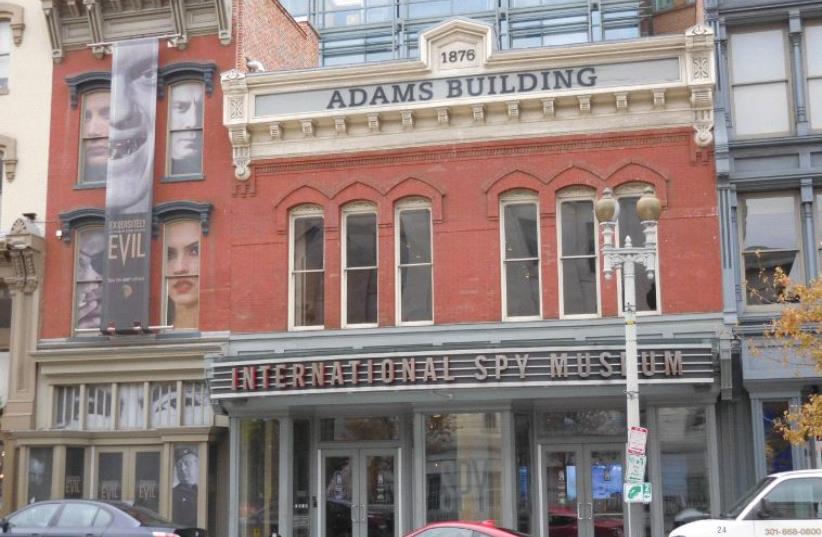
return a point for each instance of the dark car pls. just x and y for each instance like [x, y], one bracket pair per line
[88, 518]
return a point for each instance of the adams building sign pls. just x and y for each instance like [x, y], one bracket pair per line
[242, 376]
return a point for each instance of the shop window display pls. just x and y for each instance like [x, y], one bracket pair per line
[185, 484]
[463, 467]
[75, 473]
[40, 468]
[684, 450]
[259, 477]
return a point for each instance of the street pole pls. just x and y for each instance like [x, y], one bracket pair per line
[626, 259]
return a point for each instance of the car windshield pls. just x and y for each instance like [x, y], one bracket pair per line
[146, 517]
[743, 502]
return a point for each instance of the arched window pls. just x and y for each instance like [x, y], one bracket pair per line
[306, 266]
[577, 249]
[360, 265]
[520, 256]
[414, 259]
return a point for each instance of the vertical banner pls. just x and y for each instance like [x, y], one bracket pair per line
[128, 189]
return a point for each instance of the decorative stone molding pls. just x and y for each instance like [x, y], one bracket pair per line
[70, 221]
[86, 82]
[94, 16]
[165, 212]
[186, 71]
[307, 127]
[52, 14]
[431, 98]
[241, 152]
[178, 15]
[702, 103]
[14, 14]
[8, 155]
[24, 244]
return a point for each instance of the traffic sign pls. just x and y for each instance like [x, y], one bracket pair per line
[636, 468]
[637, 438]
[637, 493]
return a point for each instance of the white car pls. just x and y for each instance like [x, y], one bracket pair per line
[783, 504]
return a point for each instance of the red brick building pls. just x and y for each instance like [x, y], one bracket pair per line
[419, 321]
[127, 417]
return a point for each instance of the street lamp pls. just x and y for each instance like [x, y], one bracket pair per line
[626, 257]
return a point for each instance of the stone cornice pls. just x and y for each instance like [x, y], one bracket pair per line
[639, 97]
[153, 350]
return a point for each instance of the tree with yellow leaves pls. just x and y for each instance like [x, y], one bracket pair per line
[798, 329]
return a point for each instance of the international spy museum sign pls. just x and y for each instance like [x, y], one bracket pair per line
[243, 376]
[485, 85]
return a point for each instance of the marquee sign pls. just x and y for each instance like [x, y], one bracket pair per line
[502, 84]
[265, 375]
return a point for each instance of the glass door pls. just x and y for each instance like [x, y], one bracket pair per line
[604, 468]
[563, 507]
[360, 492]
[340, 513]
[582, 487]
[378, 495]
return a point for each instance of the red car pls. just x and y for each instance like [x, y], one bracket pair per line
[458, 528]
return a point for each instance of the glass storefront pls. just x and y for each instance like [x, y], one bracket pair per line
[259, 477]
[463, 465]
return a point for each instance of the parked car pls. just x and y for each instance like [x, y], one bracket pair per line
[487, 528]
[89, 518]
[786, 503]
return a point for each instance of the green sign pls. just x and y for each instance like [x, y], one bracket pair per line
[638, 492]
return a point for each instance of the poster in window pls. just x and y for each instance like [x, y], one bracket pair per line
[75, 471]
[130, 175]
[110, 482]
[182, 273]
[186, 480]
[147, 480]
[91, 244]
[186, 122]
[40, 465]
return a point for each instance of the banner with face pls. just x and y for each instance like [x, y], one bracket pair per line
[130, 175]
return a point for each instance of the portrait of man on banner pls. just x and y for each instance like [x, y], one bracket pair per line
[130, 176]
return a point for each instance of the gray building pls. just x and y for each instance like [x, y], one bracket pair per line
[769, 170]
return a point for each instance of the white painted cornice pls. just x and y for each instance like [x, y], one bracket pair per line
[649, 83]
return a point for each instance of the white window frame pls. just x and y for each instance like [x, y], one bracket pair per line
[302, 211]
[355, 209]
[7, 22]
[113, 406]
[787, 79]
[635, 190]
[416, 204]
[569, 195]
[55, 392]
[144, 386]
[170, 131]
[517, 197]
[800, 258]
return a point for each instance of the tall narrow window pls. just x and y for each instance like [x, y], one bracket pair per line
[164, 404]
[5, 54]
[94, 137]
[520, 257]
[182, 274]
[813, 52]
[88, 277]
[66, 407]
[630, 226]
[307, 268]
[759, 81]
[185, 129]
[196, 410]
[414, 268]
[99, 406]
[770, 240]
[360, 261]
[578, 257]
[132, 405]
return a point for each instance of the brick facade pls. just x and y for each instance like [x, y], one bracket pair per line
[266, 32]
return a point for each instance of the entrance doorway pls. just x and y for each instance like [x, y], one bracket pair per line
[359, 491]
[581, 488]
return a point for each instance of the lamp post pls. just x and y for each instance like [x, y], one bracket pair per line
[648, 208]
